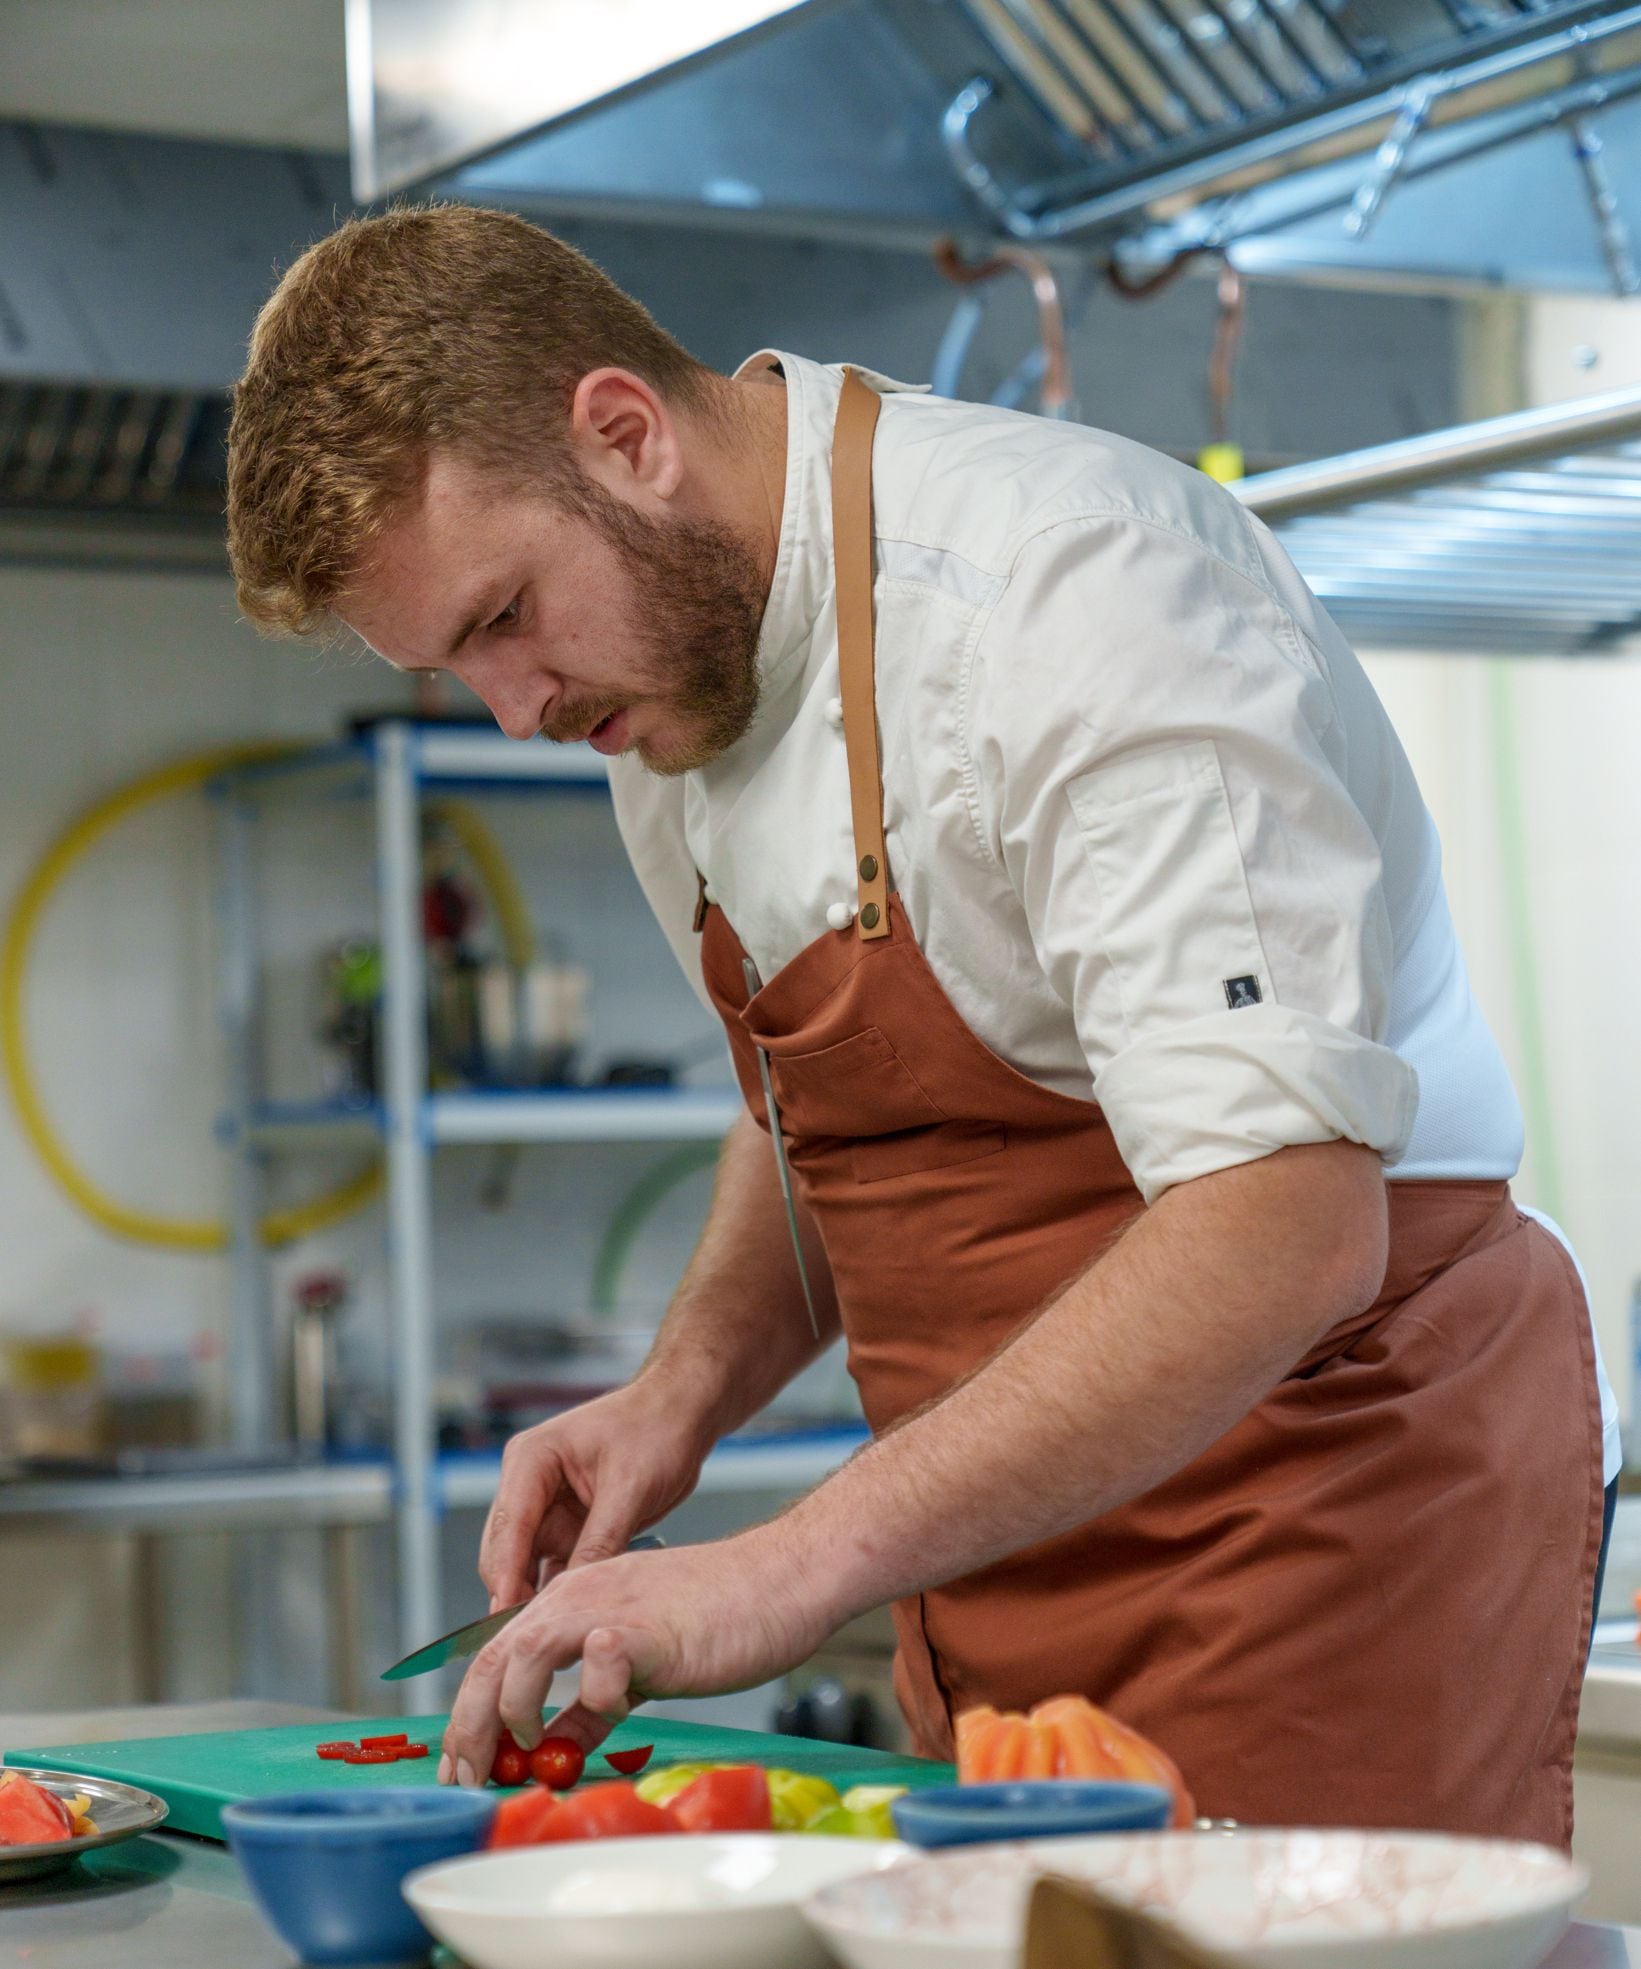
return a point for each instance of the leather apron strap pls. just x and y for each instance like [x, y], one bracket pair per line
[858, 407]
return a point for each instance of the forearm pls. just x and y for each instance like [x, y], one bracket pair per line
[1172, 1336]
[738, 1329]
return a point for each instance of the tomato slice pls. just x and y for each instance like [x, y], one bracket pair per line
[608, 1811]
[411, 1750]
[362, 1756]
[511, 1765]
[557, 1762]
[32, 1816]
[333, 1750]
[733, 1800]
[629, 1762]
[383, 1743]
[523, 1821]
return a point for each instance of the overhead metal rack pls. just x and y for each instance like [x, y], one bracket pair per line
[1519, 534]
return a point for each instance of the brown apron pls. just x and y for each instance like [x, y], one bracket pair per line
[1369, 1603]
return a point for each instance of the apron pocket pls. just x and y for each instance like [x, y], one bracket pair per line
[860, 1093]
[861, 1086]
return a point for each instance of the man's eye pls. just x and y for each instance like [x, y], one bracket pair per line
[508, 617]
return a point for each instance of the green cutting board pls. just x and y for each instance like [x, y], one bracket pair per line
[198, 1775]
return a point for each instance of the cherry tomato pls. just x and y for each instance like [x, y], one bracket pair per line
[557, 1762]
[333, 1750]
[608, 1811]
[629, 1762]
[362, 1756]
[511, 1765]
[383, 1743]
[736, 1800]
[523, 1821]
[412, 1750]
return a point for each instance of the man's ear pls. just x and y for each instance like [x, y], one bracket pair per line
[625, 436]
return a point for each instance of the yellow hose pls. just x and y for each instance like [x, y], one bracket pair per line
[140, 1226]
[497, 878]
[145, 1227]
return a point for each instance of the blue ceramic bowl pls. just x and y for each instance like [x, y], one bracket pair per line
[1036, 1808]
[325, 1866]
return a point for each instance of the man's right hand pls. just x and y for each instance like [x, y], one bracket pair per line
[578, 1488]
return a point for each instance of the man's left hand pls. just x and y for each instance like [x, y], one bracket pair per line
[697, 1620]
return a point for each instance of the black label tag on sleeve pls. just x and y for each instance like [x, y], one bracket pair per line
[1242, 991]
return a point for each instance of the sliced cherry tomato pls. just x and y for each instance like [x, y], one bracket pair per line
[733, 1800]
[412, 1750]
[629, 1762]
[383, 1743]
[333, 1750]
[511, 1765]
[362, 1756]
[557, 1762]
[606, 1811]
[523, 1821]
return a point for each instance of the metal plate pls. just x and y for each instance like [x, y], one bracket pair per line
[121, 1811]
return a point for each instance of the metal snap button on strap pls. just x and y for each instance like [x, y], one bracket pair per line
[783, 1171]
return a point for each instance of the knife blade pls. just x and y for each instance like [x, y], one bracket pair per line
[461, 1642]
[783, 1169]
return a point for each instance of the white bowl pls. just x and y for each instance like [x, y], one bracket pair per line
[693, 1901]
[1275, 1899]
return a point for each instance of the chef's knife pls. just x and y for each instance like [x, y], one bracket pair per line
[461, 1642]
[783, 1169]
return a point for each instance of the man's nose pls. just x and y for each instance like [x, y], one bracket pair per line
[515, 705]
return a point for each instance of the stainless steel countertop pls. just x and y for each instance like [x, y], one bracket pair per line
[162, 1902]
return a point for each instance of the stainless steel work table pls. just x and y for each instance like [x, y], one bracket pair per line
[164, 1902]
[171, 1902]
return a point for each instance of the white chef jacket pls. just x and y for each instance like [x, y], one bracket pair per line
[1147, 818]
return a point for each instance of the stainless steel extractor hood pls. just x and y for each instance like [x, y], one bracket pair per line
[1306, 128]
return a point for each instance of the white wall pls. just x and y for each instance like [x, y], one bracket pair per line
[1579, 795]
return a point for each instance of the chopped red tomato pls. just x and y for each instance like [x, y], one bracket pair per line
[523, 1821]
[629, 1762]
[733, 1800]
[388, 1755]
[333, 1750]
[412, 1750]
[557, 1762]
[383, 1743]
[30, 1815]
[607, 1811]
[511, 1766]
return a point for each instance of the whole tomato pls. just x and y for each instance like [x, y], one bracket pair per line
[511, 1765]
[557, 1762]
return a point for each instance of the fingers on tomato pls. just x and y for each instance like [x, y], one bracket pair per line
[732, 1800]
[557, 1762]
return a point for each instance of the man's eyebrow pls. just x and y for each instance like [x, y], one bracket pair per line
[480, 615]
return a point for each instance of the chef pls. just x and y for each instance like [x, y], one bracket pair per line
[1080, 938]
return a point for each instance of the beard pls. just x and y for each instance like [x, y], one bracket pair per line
[698, 598]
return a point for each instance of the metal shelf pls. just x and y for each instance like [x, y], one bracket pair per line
[605, 1114]
[318, 1494]
[781, 1462]
[546, 1115]
[400, 767]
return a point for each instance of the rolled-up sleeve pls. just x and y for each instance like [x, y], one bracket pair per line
[1158, 766]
